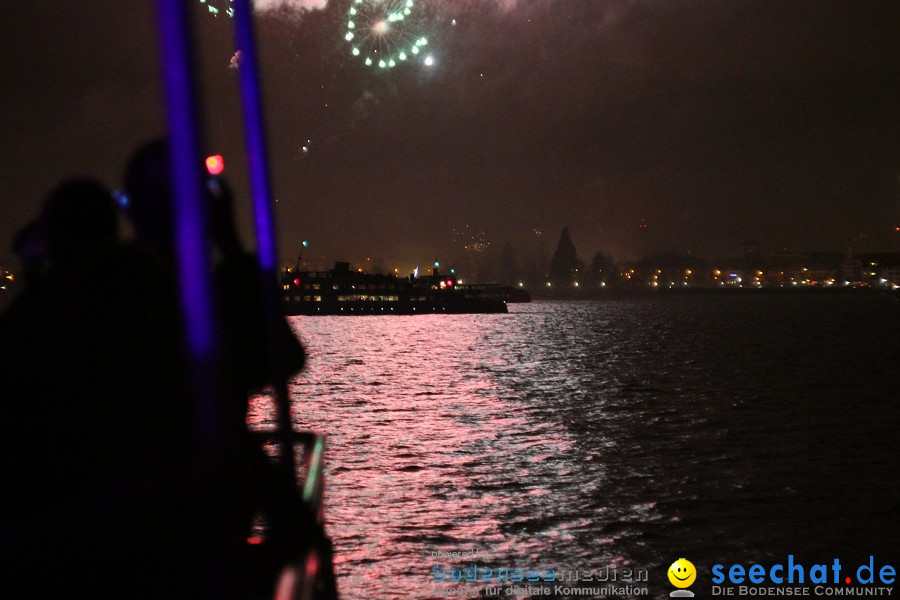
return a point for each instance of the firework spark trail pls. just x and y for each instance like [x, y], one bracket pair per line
[472, 240]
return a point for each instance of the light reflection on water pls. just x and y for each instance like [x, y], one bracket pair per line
[579, 435]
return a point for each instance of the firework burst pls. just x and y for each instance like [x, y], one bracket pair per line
[379, 33]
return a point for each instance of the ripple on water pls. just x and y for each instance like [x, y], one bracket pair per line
[579, 435]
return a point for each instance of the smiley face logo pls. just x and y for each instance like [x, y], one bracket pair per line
[682, 573]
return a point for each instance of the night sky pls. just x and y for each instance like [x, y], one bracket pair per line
[713, 122]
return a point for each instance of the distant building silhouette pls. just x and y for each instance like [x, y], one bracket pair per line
[602, 270]
[564, 265]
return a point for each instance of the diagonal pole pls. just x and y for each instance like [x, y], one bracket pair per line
[216, 576]
[195, 282]
[263, 209]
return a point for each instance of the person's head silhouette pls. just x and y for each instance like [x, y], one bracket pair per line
[148, 188]
[78, 220]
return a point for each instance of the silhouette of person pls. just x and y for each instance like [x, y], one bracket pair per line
[243, 481]
[109, 492]
[96, 402]
[30, 247]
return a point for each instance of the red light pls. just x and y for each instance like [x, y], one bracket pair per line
[297, 282]
[255, 540]
[215, 164]
[312, 566]
[449, 283]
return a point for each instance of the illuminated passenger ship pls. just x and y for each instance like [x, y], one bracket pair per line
[341, 291]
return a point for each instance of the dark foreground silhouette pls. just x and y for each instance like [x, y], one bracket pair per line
[111, 493]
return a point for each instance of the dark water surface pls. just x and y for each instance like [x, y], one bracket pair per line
[725, 429]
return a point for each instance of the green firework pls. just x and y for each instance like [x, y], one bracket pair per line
[378, 32]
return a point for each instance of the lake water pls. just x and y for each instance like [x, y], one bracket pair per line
[624, 433]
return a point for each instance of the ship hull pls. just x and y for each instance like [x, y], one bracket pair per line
[360, 308]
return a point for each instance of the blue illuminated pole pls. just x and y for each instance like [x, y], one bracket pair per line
[193, 260]
[263, 208]
[191, 240]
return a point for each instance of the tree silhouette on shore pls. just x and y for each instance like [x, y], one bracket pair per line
[564, 266]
